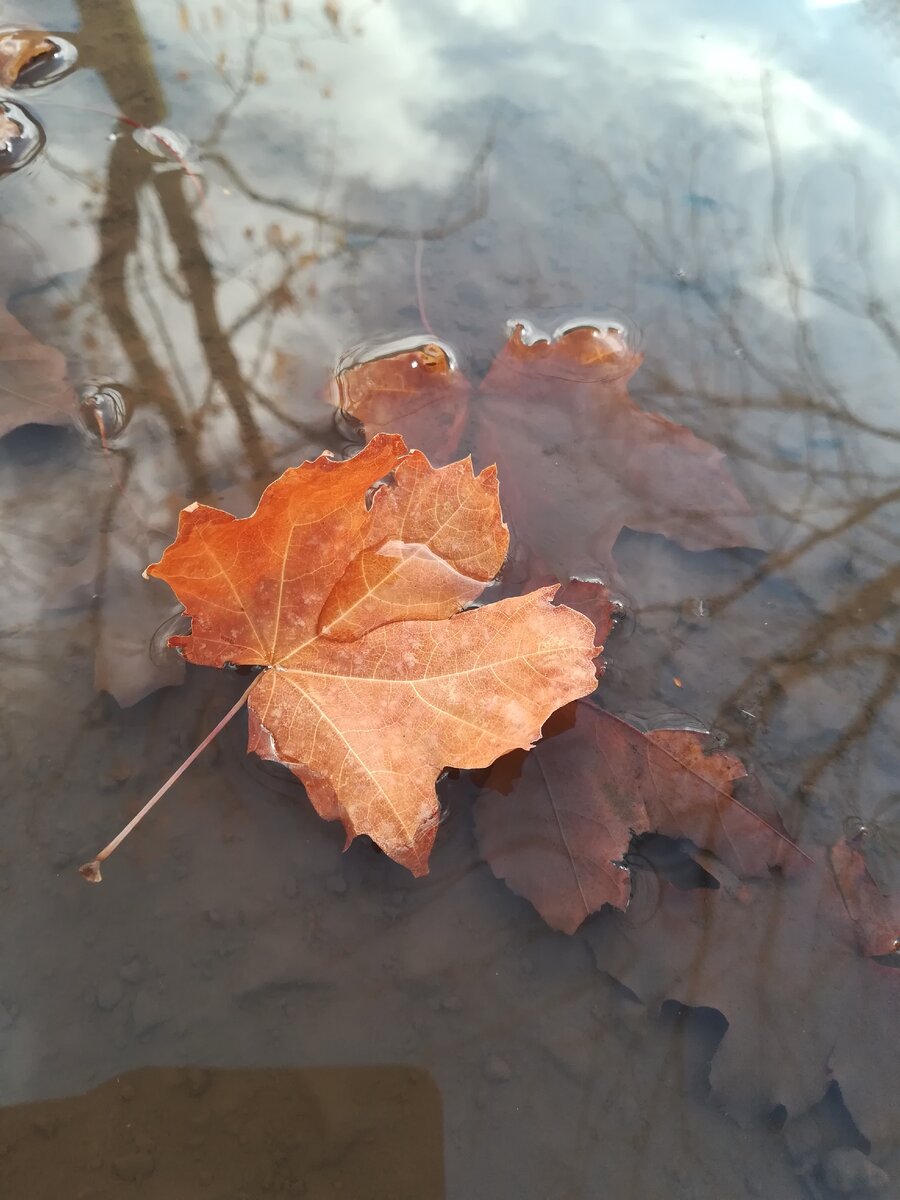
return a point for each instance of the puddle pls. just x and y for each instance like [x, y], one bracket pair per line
[717, 190]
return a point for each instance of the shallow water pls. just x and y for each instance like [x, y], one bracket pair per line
[723, 184]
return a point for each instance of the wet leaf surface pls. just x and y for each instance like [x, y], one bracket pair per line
[782, 962]
[578, 460]
[368, 722]
[560, 828]
[34, 387]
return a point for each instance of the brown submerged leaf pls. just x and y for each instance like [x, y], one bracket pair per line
[876, 916]
[781, 962]
[417, 393]
[578, 459]
[559, 830]
[34, 387]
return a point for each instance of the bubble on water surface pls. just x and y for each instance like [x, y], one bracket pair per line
[49, 66]
[550, 325]
[432, 352]
[425, 354]
[179, 624]
[21, 137]
[103, 410]
[613, 342]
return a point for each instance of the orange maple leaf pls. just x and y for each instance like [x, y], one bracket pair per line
[375, 681]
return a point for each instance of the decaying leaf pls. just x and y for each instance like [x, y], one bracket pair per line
[19, 48]
[556, 824]
[33, 383]
[375, 681]
[578, 459]
[781, 961]
[876, 916]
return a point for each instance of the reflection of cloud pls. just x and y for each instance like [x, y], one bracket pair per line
[364, 97]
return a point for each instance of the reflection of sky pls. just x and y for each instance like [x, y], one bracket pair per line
[632, 165]
[675, 162]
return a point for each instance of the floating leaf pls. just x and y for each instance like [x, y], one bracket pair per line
[371, 686]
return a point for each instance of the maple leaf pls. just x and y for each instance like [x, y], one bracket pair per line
[559, 829]
[375, 680]
[33, 383]
[579, 460]
[781, 961]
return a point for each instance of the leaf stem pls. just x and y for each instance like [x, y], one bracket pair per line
[91, 870]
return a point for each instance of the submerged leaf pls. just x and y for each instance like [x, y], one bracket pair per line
[780, 960]
[372, 688]
[33, 383]
[558, 832]
[876, 916]
[578, 459]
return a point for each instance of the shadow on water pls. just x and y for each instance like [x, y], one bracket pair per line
[727, 182]
[356, 1131]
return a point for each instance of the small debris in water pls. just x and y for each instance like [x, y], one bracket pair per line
[695, 612]
[855, 829]
[497, 1069]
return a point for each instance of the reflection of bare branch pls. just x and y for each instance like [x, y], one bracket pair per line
[869, 604]
[364, 228]
[240, 90]
[118, 237]
[197, 271]
[786, 398]
[861, 724]
[843, 497]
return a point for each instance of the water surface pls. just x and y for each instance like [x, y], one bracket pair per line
[722, 180]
